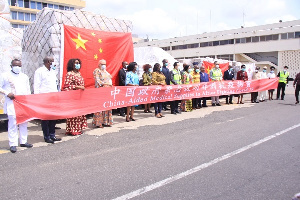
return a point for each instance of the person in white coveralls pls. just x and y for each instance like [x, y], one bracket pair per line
[14, 83]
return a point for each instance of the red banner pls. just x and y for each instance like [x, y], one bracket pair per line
[90, 46]
[66, 104]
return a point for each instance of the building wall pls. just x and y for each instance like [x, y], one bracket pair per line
[290, 59]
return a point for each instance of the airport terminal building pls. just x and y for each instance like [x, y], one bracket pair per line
[266, 45]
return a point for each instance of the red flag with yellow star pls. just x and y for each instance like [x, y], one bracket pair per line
[90, 46]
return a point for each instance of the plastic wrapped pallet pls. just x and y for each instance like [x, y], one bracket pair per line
[43, 37]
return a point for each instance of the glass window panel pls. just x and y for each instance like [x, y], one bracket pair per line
[275, 37]
[237, 41]
[33, 17]
[9, 2]
[243, 40]
[14, 15]
[297, 34]
[248, 39]
[13, 2]
[26, 3]
[61, 7]
[71, 8]
[27, 17]
[39, 5]
[50, 5]
[21, 26]
[262, 38]
[255, 39]
[216, 43]
[268, 37]
[15, 26]
[291, 35]
[20, 3]
[32, 4]
[55, 6]
[45, 5]
[283, 36]
[67, 8]
[21, 16]
[203, 44]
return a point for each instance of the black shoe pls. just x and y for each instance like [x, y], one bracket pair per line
[174, 113]
[49, 141]
[56, 139]
[230, 102]
[122, 114]
[204, 106]
[165, 109]
[26, 145]
[56, 127]
[218, 104]
[282, 98]
[13, 149]
[213, 104]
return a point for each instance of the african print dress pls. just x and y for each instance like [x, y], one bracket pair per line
[105, 117]
[74, 125]
[186, 105]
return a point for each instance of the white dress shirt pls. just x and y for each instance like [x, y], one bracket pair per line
[18, 84]
[45, 81]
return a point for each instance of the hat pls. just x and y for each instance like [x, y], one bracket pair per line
[285, 67]
[272, 67]
[265, 67]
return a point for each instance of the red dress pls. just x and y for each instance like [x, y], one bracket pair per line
[74, 125]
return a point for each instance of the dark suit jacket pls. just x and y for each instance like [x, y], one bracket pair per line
[228, 75]
[122, 77]
[166, 72]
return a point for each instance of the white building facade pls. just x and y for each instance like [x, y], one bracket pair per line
[275, 45]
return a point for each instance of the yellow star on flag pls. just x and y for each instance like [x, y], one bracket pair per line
[100, 50]
[93, 34]
[96, 57]
[208, 70]
[80, 42]
[100, 40]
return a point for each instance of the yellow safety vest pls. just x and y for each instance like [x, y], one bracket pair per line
[177, 76]
[216, 74]
[283, 77]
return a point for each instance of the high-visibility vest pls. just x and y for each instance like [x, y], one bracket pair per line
[176, 76]
[283, 77]
[187, 81]
[216, 74]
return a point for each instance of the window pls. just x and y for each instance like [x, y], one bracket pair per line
[223, 42]
[255, 39]
[283, 36]
[33, 16]
[203, 44]
[14, 15]
[291, 35]
[71, 8]
[32, 4]
[237, 41]
[243, 40]
[166, 48]
[21, 16]
[55, 6]
[216, 43]
[50, 5]
[20, 3]
[61, 7]
[262, 38]
[13, 2]
[275, 37]
[15, 26]
[39, 5]
[67, 8]
[196, 45]
[248, 39]
[21, 26]
[26, 3]
[27, 17]
[297, 34]
[268, 37]
[9, 2]
[45, 5]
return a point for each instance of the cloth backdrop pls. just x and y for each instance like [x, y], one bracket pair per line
[66, 104]
[90, 46]
[208, 66]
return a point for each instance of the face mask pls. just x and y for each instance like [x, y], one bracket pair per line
[231, 69]
[160, 69]
[103, 67]
[166, 64]
[190, 70]
[53, 66]
[264, 70]
[272, 72]
[284, 70]
[197, 70]
[243, 69]
[150, 70]
[126, 66]
[16, 69]
[77, 66]
[256, 71]
[217, 66]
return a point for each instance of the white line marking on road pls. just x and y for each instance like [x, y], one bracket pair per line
[231, 120]
[200, 167]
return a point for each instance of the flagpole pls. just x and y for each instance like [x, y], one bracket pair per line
[62, 52]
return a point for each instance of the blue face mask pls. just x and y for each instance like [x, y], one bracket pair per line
[264, 70]
[150, 70]
[272, 72]
[166, 64]
[243, 69]
[197, 70]
[231, 69]
[190, 70]
[160, 69]
[77, 66]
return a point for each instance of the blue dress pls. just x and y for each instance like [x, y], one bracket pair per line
[132, 78]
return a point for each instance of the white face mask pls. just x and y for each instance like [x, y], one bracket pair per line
[217, 66]
[16, 69]
[53, 66]
[103, 67]
[125, 66]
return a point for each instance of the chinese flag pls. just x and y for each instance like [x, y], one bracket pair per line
[208, 66]
[90, 46]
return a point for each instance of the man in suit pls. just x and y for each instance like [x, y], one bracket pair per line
[166, 72]
[203, 78]
[122, 78]
[229, 75]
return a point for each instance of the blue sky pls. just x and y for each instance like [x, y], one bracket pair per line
[160, 19]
